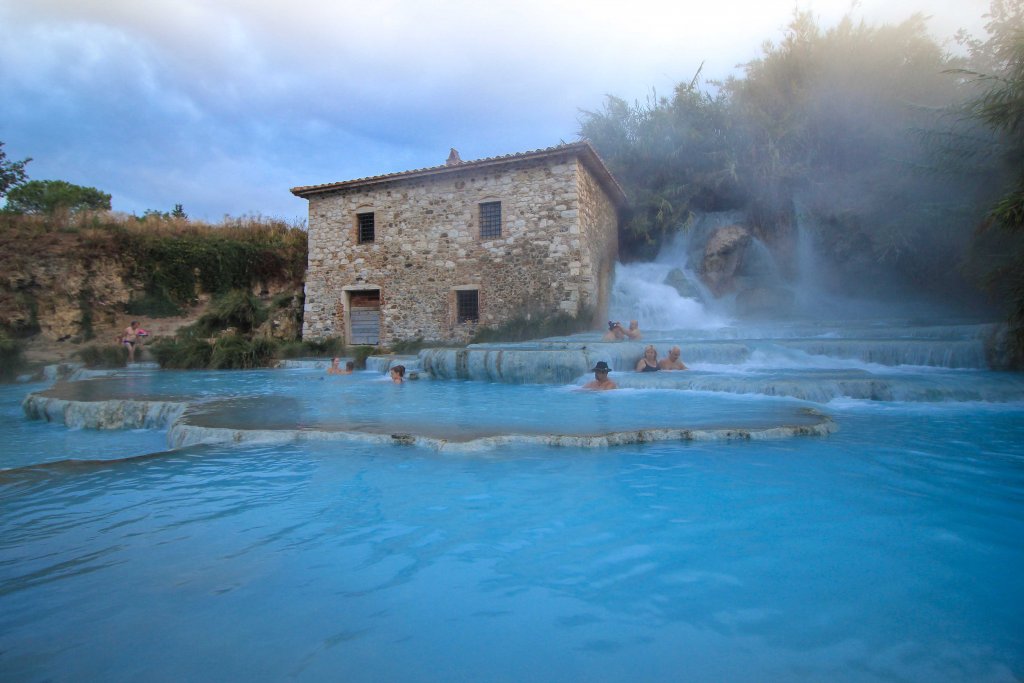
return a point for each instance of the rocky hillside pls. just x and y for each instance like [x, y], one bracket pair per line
[64, 284]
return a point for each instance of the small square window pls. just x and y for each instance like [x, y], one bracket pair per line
[364, 227]
[467, 303]
[490, 220]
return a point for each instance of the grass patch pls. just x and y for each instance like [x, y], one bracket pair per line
[413, 346]
[534, 326]
[330, 347]
[235, 352]
[103, 356]
[182, 353]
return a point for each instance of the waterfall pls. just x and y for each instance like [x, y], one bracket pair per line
[666, 294]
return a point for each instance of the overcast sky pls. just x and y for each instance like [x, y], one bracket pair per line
[223, 105]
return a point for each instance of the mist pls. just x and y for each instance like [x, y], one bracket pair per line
[837, 177]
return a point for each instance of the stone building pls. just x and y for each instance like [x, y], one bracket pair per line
[435, 252]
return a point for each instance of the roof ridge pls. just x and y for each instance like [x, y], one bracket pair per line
[584, 144]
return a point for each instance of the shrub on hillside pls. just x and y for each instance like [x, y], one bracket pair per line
[534, 326]
[182, 353]
[330, 346]
[227, 352]
[104, 356]
[237, 309]
[11, 359]
[235, 352]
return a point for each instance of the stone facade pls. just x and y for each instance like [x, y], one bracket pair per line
[555, 253]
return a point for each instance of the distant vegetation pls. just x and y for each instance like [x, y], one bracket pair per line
[51, 196]
[169, 265]
[177, 258]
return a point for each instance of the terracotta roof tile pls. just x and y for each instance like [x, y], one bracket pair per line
[581, 149]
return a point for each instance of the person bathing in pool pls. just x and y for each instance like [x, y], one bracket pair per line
[649, 362]
[615, 332]
[600, 381]
[335, 369]
[671, 361]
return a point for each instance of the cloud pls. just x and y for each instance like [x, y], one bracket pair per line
[223, 105]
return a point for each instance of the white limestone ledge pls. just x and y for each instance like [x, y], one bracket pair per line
[109, 414]
[183, 434]
[173, 416]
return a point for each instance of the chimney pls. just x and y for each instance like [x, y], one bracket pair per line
[453, 158]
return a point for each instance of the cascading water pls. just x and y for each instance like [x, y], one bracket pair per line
[666, 294]
[641, 293]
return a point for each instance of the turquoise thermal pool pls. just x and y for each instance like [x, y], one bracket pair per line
[853, 512]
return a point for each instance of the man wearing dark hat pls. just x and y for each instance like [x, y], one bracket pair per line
[601, 381]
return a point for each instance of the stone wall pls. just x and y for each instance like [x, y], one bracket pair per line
[599, 245]
[556, 248]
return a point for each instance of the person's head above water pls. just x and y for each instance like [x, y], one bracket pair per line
[601, 380]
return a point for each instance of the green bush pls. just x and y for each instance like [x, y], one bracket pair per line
[238, 309]
[360, 354]
[11, 359]
[328, 346]
[534, 326]
[153, 304]
[235, 352]
[217, 261]
[282, 300]
[410, 346]
[104, 356]
[182, 353]
[227, 352]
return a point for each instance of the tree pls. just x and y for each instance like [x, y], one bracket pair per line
[12, 173]
[998, 69]
[672, 157]
[49, 196]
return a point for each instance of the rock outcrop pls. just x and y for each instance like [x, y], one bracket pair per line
[723, 256]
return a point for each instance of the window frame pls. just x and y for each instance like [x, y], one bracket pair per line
[490, 222]
[459, 295]
[360, 227]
